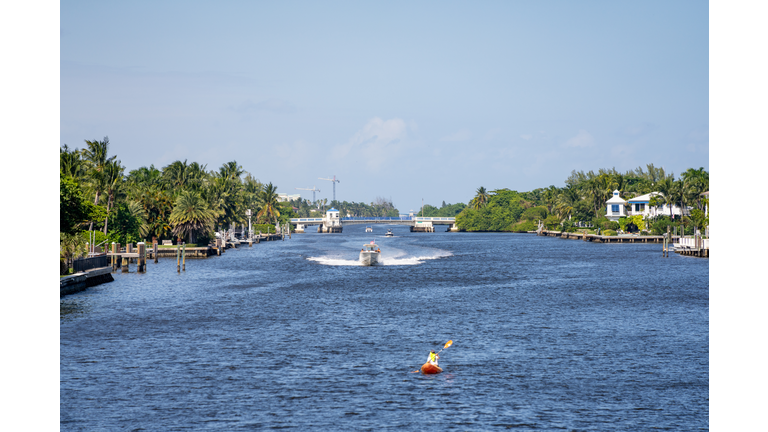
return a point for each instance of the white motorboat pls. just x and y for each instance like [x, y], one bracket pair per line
[369, 254]
[389, 233]
[368, 229]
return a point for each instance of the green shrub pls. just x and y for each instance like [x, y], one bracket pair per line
[623, 222]
[552, 223]
[524, 226]
[609, 225]
[659, 226]
[608, 232]
[534, 213]
[264, 228]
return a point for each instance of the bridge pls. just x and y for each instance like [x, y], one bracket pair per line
[333, 223]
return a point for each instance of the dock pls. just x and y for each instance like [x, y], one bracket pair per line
[80, 281]
[604, 239]
[688, 246]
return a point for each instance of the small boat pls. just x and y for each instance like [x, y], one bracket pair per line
[369, 254]
[368, 229]
[389, 233]
[429, 368]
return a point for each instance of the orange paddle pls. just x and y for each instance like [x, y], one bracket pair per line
[450, 342]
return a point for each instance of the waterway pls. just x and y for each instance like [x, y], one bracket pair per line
[548, 335]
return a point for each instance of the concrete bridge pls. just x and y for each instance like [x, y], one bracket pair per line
[333, 223]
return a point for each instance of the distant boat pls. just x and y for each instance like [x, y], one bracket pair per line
[389, 233]
[369, 254]
[368, 229]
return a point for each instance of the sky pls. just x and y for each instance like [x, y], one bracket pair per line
[401, 100]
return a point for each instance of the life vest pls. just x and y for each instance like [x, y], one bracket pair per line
[433, 357]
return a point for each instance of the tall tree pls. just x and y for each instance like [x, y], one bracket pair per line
[113, 173]
[97, 156]
[481, 198]
[71, 162]
[191, 216]
[269, 203]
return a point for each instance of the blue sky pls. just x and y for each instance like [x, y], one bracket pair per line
[429, 100]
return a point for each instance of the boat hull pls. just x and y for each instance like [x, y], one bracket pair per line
[429, 368]
[369, 258]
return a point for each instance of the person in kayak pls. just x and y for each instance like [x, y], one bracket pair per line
[433, 358]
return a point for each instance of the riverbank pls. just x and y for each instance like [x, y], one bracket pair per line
[80, 281]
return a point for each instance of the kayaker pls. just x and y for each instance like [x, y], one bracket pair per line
[433, 357]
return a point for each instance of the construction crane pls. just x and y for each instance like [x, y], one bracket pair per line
[334, 184]
[314, 189]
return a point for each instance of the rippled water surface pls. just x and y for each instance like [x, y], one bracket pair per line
[548, 334]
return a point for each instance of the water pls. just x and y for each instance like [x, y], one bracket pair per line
[548, 334]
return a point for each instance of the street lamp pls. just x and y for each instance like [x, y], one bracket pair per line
[249, 213]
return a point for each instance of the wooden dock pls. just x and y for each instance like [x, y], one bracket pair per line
[689, 246]
[604, 239]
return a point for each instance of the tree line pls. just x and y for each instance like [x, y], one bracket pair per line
[583, 199]
[179, 201]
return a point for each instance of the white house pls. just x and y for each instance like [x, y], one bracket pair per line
[640, 205]
[615, 207]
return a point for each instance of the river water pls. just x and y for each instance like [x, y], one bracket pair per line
[548, 335]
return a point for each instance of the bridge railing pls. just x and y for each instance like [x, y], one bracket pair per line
[356, 218]
[435, 218]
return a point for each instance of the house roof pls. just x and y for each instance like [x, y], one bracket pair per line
[615, 199]
[645, 198]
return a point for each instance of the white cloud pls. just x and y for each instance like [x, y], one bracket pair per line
[376, 143]
[582, 139]
[491, 134]
[462, 135]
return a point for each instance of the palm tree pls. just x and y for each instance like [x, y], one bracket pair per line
[113, 173]
[71, 246]
[669, 191]
[191, 216]
[695, 182]
[71, 162]
[231, 170]
[481, 198]
[96, 156]
[599, 190]
[269, 203]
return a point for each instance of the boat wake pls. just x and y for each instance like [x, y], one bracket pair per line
[333, 261]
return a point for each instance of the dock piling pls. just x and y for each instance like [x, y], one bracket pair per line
[141, 261]
[183, 256]
[178, 258]
[114, 258]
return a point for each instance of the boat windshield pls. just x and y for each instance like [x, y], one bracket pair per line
[371, 246]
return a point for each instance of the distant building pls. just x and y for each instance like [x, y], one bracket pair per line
[282, 197]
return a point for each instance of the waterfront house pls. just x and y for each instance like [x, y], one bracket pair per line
[641, 205]
[615, 207]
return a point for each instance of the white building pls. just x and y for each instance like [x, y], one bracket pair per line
[641, 205]
[615, 207]
[282, 197]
